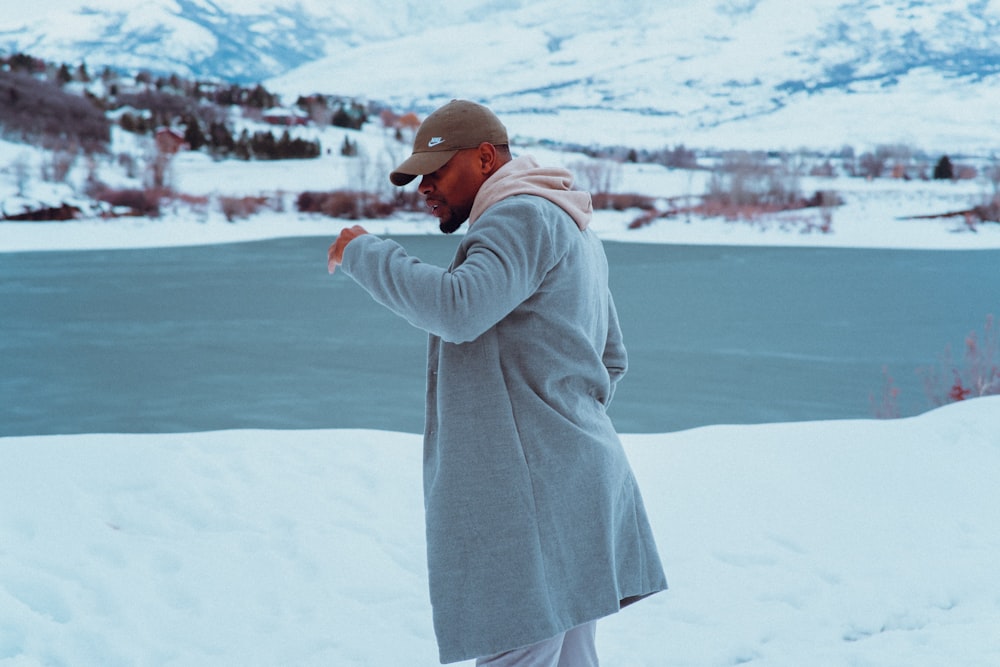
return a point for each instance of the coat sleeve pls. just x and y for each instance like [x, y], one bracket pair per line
[506, 258]
[615, 357]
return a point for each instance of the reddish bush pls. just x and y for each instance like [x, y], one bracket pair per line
[190, 200]
[46, 214]
[242, 207]
[622, 201]
[723, 207]
[139, 202]
[408, 200]
[886, 405]
[349, 204]
[978, 374]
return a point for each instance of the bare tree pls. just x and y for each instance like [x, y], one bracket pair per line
[747, 179]
[61, 160]
[599, 177]
[20, 167]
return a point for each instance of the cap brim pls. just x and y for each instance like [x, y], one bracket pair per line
[419, 164]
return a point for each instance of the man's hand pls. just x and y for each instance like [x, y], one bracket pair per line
[335, 256]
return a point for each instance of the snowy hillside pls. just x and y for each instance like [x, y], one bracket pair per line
[759, 74]
[767, 74]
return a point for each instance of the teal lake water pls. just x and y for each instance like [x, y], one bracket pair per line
[257, 335]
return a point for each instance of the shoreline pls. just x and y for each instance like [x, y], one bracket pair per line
[176, 230]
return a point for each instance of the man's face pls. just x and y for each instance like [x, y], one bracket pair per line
[450, 191]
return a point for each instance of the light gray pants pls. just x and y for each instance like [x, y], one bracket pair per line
[573, 648]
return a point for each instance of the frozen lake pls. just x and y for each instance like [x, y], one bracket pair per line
[256, 335]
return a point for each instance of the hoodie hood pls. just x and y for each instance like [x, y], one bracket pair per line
[523, 176]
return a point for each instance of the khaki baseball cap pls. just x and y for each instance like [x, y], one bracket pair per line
[457, 125]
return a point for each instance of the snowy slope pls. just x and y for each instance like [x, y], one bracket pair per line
[734, 73]
[769, 74]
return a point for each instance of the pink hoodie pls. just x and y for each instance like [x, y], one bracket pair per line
[523, 176]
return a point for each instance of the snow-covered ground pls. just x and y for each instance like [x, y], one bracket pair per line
[863, 542]
[832, 543]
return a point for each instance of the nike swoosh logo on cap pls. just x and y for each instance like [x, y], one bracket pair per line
[434, 142]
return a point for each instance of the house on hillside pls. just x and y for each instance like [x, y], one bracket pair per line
[408, 121]
[287, 117]
[169, 141]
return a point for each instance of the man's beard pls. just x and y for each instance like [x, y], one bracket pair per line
[450, 226]
[453, 222]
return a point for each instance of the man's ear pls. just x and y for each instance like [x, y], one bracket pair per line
[488, 158]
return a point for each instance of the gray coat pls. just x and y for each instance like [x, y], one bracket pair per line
[534, 520]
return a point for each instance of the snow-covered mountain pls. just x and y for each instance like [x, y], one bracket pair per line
[728, 73]
[243, 41]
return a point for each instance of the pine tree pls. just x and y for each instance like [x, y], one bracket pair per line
[242, 148]
[284, 148]
[263, 145]
[348, 149]
[63, 75]
[944, 170]
[221, 139]
[193, 134]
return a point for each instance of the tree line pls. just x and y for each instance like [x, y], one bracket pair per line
[34, 109]
[65, 106]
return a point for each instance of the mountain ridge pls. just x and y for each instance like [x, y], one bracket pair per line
[734, 72]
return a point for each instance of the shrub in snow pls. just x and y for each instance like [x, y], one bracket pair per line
[242, 207]
[749, 180]
[886, 404]
[349, 204]
[598, 177]
[623, 201]
[977, 374]
[131, 201]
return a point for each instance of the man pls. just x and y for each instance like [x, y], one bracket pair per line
[535, 526]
